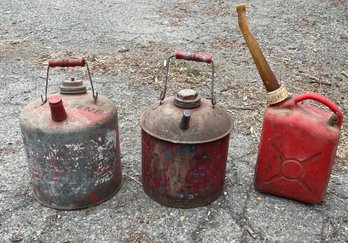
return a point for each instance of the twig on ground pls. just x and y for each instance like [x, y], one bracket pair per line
[317, 81]
[250, 231]
[134, 179]
[242, 108]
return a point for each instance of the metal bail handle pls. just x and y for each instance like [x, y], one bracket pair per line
[323, 100]
[190, 57]
[80, 62]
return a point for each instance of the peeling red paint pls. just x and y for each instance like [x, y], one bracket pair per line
[183, 175]
[74, 163]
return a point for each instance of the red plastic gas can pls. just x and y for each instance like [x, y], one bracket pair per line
[297, 148]
[298, 141]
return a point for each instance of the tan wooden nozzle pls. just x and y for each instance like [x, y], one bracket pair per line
[269, 80]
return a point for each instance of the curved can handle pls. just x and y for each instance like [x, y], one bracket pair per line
[323, 100]
[79, 62]
[189, 57]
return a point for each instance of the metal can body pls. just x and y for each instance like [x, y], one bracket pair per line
[183, 175]
[185, 145]
[297, 150]
[184, 168]
[74, 163]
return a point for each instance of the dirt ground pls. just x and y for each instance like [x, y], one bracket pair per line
[125, 43]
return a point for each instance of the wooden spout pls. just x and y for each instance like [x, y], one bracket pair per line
[269, 80]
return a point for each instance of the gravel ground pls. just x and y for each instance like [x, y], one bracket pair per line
[125, 43]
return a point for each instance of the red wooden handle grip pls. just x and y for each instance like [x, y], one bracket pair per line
[80, 62]
[194, 57]
[323, 100]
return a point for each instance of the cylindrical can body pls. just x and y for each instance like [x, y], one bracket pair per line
[183, 175]
[296, 152]
[74, 163]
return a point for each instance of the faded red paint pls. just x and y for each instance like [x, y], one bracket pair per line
[58, 112]
[183, 175]
[297, 149]
[185, 145]
[74, 163]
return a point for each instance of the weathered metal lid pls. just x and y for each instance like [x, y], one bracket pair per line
[203, 123]
[73, 87]
[187, 98]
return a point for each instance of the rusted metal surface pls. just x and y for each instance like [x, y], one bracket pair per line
[74, 163]
[183, 175]
[184, 147]
[72, 145]
[207, 123]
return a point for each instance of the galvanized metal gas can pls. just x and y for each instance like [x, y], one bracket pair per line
[72, 146]
[297, 148]
[185, 145]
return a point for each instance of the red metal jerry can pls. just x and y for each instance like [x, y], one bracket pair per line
[72, 146]
[184, 146]
[297, 148]
[298, 141]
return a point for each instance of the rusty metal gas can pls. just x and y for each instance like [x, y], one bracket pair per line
[72, 146]
[185, 145]
[297, 148]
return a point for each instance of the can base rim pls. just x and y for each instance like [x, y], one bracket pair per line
[180, 203]
[66, 208]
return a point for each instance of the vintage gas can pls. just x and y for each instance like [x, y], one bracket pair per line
[297, 148]
[71, 141]
[185, 145]
[298, 141]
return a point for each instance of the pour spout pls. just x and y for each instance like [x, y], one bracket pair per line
[185, 120]
[58, 112]
[269, 80]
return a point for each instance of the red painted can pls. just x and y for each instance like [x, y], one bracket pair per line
[72, 145]
[184, 146]
[298, 141]
[297, 148]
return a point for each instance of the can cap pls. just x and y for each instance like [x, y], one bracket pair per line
[73, 87]
[58, 112]
[187, 98]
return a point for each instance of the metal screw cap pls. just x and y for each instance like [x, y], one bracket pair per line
[73, 87]
[187, 98]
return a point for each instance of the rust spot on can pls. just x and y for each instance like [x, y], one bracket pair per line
[74, 163]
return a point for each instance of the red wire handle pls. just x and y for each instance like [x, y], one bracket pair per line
[190, 57]
[194, 57]
[323, 100]
[80, 62]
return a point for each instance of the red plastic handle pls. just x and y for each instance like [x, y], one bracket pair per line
[80, 62]
[194, 57]
[323, 100]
